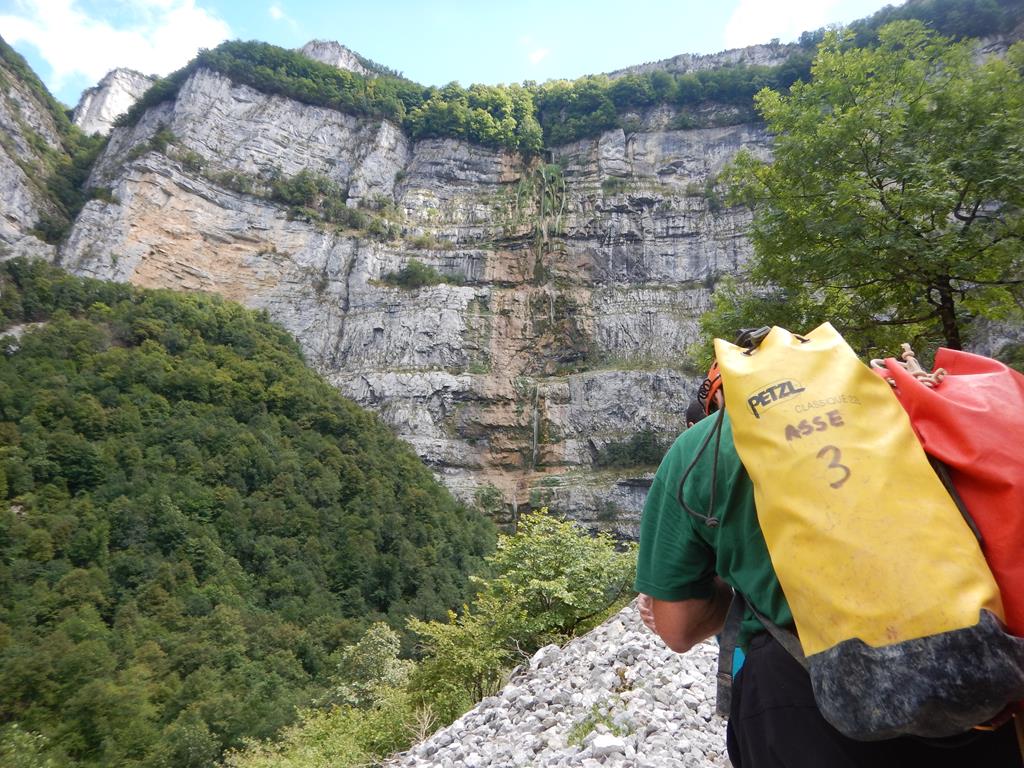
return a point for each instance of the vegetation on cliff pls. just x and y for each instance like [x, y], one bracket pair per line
[527, 117]
[495, 116]
[59, 173]
[956, 19]
[415, 274]
[192, 525]
[894, 202]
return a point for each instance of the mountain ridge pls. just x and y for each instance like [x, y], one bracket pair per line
[564, 286]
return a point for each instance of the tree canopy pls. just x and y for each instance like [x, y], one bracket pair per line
[546, 583]
[527, 117]
[893, 201]
[957, 19]
[191, 523]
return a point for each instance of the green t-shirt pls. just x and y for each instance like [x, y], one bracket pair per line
[680, 555]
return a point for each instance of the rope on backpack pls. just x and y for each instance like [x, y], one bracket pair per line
[709, 519]
[911, 366]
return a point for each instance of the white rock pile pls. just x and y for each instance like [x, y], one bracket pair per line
[614, 697]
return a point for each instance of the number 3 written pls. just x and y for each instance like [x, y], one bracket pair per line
[834, 463]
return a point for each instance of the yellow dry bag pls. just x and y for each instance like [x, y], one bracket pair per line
[895, 607]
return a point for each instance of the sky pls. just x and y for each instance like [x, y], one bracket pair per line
[71, 44]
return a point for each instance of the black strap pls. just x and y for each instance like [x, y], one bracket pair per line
[729, 639]
[943, 472]
[715, 432]
[786, 637]
[727, 643]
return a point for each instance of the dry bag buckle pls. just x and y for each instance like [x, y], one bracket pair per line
[751, 338]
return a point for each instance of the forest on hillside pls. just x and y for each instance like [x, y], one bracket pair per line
[207, 553]
[192, 523]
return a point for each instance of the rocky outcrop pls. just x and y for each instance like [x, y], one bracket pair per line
[549, 360]
[173, 230]
[615, 697]
[27, 133]
[111, 97]
[236, 129]
[335, 54]
[769, 55]
[574, 286]
[21, 206]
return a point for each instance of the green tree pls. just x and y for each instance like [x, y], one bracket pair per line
[550, 581]
[893, 202]
[21, 749]
[561, 576]
[468, 657]
[367, 671]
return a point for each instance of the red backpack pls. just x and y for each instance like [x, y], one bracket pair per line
[969, 415]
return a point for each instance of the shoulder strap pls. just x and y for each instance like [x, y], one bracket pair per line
[786, 637]
[726, 650]
[729, 639]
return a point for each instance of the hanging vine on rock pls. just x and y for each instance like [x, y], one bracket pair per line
[543, 186]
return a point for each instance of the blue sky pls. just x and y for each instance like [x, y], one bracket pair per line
[71, 44]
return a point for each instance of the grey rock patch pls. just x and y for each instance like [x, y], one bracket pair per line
[614, 697]
[111, 97]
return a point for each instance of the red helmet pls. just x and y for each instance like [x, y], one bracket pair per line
[709, 387]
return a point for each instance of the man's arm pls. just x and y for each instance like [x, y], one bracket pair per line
[684, 623]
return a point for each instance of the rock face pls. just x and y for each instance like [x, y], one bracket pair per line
[27, 132]
[335, 54]
[548, 364]
[111, 97]
[616, 697]
[574, 285]
[769, 55]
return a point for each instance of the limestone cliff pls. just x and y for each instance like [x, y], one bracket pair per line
[27, 134]
[335, 54]
[575, 283]
[111, 97]
[767, 55]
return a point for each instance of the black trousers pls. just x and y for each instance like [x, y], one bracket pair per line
[774, 723]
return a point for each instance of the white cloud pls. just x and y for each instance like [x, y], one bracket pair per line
[535, 52]
[758, 21]
[277, 14]
[162, 36]
[538, 55]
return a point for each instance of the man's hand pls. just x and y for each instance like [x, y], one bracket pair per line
[684, 623]
[646, 607]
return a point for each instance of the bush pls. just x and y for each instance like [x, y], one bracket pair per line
[550, 581]
[51, 229]
[342, 737]
[415, 274]
[643, 449]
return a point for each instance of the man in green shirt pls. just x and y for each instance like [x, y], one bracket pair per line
[699, 540]
[684, 558]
